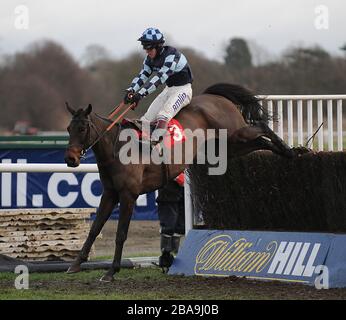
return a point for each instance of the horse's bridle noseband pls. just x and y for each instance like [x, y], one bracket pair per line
[86, 145]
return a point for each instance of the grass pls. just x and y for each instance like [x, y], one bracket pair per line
[132, 255]
[139, 284]
[152, 284]
[10, 294]
[46, 285]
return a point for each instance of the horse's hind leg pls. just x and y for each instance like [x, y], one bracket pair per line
[252, 138]
[259, 143]
[282, 147]
[285, 149]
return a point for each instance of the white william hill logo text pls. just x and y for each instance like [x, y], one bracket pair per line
[289, 259]
[222, 256]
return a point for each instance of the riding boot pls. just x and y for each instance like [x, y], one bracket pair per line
[166, 259]
[159, 132]
[166, 243]
[175, 243]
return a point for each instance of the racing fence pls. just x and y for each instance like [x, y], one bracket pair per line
[262, 191]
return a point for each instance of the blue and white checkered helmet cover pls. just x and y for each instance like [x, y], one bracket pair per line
[152, 35]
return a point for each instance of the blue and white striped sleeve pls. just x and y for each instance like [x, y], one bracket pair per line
[143, 76]
[168, 68]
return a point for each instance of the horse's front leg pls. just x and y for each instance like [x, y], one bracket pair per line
[127, 202]
[108, 200]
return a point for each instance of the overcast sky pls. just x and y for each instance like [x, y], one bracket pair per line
[205, 25]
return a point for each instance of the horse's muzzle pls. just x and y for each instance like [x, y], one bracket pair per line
[72, 157]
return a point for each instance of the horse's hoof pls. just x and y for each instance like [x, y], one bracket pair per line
[74, 269]
[107, 278]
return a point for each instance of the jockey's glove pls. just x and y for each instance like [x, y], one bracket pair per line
[128, 96]
[135, 98]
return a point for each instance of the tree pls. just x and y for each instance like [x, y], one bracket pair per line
[306, 56]
[343, 48]
[238, 56]
[93, 54]
[260, 55]
[34, 85]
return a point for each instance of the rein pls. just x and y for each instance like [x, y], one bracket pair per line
[164, 167]
[102, 134]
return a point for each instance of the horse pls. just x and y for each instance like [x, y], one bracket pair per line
[221, 106]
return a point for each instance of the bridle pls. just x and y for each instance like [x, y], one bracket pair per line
[87, 145]
[84, 147]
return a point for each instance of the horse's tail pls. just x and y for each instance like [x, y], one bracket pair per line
[248, 104]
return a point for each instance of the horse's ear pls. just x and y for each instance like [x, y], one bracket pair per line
[88, 109]
[72, 111]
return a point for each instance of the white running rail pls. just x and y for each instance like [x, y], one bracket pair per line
[299, 117]
[46, 167]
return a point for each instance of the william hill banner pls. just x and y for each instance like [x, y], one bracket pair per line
[58, 190]
[285, 256]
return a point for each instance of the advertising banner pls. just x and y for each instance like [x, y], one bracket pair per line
[58, 190]
[308, 258]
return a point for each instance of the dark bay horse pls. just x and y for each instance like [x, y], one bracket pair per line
[221, 106]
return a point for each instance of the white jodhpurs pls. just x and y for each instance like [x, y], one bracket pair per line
[168, 103]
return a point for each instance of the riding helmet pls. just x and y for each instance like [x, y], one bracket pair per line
[152, 38]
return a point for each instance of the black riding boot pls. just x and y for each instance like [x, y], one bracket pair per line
[175, 243]
[166, 259]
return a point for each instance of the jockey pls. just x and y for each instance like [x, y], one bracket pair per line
[172, 68]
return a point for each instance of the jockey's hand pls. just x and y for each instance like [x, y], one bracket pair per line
[128, 96]
[135, 98]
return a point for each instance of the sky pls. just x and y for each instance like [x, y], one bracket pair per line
[204, 25]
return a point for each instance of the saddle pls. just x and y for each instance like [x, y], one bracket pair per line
[175, 131]
[175, 134]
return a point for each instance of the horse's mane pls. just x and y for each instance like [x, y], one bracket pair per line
[248, 104]
[102, 118]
